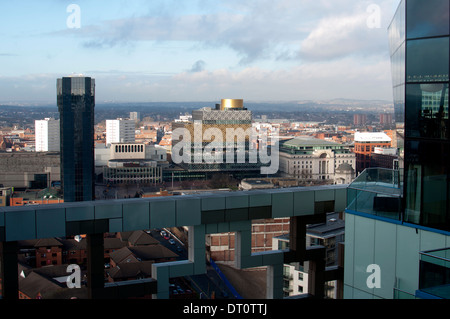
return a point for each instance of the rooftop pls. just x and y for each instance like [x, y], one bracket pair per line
[308, 141]
[372, 137]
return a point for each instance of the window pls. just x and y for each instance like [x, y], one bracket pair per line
[427, 18]
[427, 183]
[427, 60]
[427, 112]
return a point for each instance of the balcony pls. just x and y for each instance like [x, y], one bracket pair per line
[434, 274]
[377, 192]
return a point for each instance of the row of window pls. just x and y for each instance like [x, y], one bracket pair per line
[310, 162]
[129, 148]
[133, 181]
[132, 170]
[367, 148]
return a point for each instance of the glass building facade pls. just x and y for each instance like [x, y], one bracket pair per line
[419, 47]
[76, 102]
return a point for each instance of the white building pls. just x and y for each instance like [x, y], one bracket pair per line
[47, 135]
[130, 163]
[120, 131]
[135, 116]
[307, 158]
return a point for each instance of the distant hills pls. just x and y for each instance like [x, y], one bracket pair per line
[262, 106]
[195, 104]
[342, 105]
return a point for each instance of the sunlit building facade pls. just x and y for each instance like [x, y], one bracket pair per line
[120, 131]
[47, 135]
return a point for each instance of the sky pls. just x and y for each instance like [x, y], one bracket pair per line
[197, 50]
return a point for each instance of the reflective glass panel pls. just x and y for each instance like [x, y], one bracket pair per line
[427, 110]
[398, 66]
[427, 60]
[427, 18]
[399, 103]
[396, 29]
[427, 183]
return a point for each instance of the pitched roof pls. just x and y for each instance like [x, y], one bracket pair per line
[35, 284]
[123, 255]
[50, 271]
[131, 270]
[72, 244]
[113, 243]
[153, 252]
[141, 253]
[48, 242]
[140, 237]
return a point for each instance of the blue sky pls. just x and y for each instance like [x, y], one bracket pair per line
[197, 50]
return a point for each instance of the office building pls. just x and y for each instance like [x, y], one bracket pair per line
[398, 221]
[76, 103]
[365, 144]
[47, 135]
[311, 159]
[120, 131]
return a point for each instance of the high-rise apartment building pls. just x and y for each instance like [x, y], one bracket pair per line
[120, 131]
[398, 221]
[47, 135]
[135, 116]
[76, 102]
[359, 119]
[386, 119]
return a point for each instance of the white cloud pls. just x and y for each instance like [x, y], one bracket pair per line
[275, 49]
[345, 78]
[349, 33]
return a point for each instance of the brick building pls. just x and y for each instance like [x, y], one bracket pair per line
[365, 144]
[221, 246]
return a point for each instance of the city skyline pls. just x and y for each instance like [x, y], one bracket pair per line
[198, 50]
